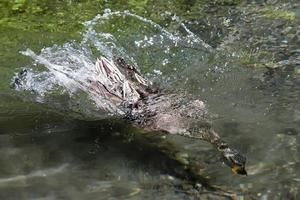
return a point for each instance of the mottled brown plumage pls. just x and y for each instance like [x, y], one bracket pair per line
[122, 85]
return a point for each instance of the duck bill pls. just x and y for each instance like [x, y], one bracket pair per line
[239, 170]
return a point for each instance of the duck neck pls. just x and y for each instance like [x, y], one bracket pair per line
[212, 137]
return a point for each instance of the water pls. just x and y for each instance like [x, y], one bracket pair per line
[57, 142]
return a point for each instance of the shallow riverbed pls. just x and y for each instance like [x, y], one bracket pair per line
[241, 58]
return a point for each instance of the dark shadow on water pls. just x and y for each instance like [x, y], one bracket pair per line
[106, 146]
[150, 150]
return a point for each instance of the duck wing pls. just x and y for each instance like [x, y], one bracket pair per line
[118, 85]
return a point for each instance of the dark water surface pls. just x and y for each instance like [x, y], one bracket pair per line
[241, 57]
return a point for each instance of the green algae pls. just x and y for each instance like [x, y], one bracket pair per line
[276, 13]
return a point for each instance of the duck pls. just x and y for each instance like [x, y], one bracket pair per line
[144, 106]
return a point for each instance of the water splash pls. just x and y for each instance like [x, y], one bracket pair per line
[190, 40]
[70, 67]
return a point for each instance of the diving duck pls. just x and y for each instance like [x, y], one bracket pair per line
[122, 85]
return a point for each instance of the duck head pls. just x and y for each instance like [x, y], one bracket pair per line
[234, 159]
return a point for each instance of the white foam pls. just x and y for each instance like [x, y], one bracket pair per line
[70, 67]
